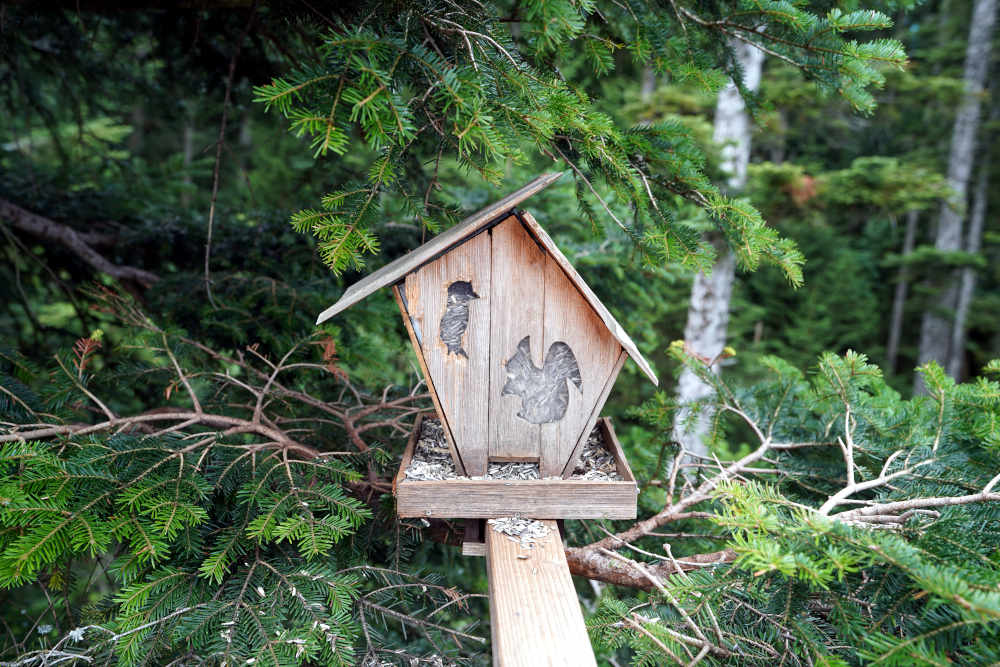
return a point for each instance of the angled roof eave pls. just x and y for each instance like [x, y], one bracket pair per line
[602, 311]
[394, 271]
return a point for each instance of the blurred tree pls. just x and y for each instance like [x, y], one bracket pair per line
[973, 244]
[708, 307]
[936, 333]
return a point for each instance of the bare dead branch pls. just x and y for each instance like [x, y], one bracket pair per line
[592, 564]
[74, 241]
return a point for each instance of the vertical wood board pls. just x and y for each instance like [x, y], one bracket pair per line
[411, 444]
[569, 319]
[518, 312]
[473, 540]
[415, 341]
[616, 449]
[450, 299]
[535, 615]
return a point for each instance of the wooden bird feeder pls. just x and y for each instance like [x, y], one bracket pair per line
[519, 357]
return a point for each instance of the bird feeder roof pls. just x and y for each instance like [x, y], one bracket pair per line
[395, 271]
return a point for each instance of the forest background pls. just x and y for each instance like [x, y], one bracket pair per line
[147, 181]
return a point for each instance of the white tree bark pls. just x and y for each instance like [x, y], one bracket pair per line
[936, 328]
[648, 83]
[708, 311]
[732, 122]
[967, 286]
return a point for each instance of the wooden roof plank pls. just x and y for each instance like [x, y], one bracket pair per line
[394, 271]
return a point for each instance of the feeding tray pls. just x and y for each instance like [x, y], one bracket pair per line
[519, 356]
[554, 498]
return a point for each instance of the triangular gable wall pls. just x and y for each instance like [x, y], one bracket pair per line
[500, 296]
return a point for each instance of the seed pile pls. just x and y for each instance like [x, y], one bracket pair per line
[512, 471]
[525, 531]
[433, 661]
[596, 462]
[432, 460]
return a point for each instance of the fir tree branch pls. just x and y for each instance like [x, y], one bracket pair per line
[276, 438]
[635, 622]
[856, 487]
[699, 639]
[419, 622]
[873, 512]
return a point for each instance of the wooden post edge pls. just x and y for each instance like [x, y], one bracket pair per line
[535, 615]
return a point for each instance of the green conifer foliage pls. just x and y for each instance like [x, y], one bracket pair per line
[413, 83]
[870, 535]
[213, 527]
[215, 545]
[210, 484]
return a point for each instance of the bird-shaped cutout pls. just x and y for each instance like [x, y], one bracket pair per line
[544, 391]
[455, 320]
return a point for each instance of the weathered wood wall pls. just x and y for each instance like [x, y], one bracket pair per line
[519, 309]
[518, 361]
[460, 377]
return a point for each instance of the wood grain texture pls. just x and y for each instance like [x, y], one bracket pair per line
[535, 616]
[414, 339]
[394, 271]
[609, 320]
[593, 417]
[460, 379]
[484, 499]
[518, 311]
[475, 549]
[473, 541]
[569, 319]
[544, 498]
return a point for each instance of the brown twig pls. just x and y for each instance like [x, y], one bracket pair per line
[593, 564]
[218, 151]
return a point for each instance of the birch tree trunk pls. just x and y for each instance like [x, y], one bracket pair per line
[899, 298]
[967, 286]
[648, 83]
[708, 312]
[936, 328]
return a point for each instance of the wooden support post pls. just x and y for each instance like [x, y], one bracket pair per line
[472, 542]
[535, 615]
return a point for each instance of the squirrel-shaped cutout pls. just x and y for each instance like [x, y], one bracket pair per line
[544, 391]
[455, 320]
